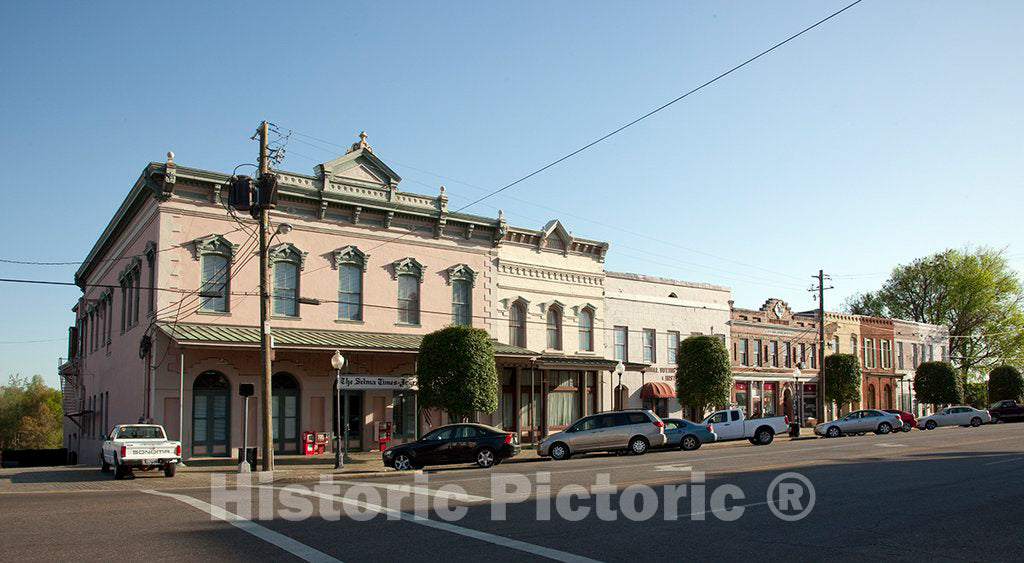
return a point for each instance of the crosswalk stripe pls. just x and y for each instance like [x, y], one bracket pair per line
[534, 549]
[296, 548]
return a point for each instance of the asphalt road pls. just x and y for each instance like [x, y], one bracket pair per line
[942, 495]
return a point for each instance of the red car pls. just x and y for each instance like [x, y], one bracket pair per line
[909, 420]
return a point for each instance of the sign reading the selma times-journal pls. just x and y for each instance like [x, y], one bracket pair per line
[406, 382]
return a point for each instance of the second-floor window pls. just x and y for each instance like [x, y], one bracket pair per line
[773, 352]
[350, 292]
[744, 355]
[758, 353]
[869, 353]
[351, 263]
[409, 273]
[461, 293]
[621, 343]
[650, 354]
[461, 278]
[673, 347]
[214, 284]
[287, 262]
[586, 330]
[517, 325]
[408, 299]
[788, 352]
[899, 354]
[554, 327]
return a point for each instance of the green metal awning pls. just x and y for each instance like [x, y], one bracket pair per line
[556, 361]
[307, 339]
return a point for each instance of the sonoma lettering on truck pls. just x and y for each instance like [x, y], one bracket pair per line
[139, 446]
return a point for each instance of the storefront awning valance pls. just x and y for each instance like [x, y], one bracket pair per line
[657, 390]
[307, 339]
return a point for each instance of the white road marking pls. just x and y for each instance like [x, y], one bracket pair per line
[542, 551]
[891, 445]
[418, 491]
[675, 467]
[1006, 461]
[296, 548]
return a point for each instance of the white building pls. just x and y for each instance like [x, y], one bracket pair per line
[645, 318]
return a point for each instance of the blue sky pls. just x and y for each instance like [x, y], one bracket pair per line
[889, 133]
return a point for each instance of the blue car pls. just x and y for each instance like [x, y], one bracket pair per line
[687, 435]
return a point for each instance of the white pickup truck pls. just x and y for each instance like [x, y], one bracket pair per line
[730, 424]
[139, 446]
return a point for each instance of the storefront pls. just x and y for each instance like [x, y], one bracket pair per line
[378, 387]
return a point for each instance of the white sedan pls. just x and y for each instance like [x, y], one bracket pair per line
[955, 416]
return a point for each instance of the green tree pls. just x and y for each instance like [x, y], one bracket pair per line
[456, 372]
[1005, 382]
[937, 383]
[703, 376]
[974, 292]
[842, 379]
[30, 414]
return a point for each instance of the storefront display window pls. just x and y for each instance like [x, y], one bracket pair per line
[769, 399]
[741, 397]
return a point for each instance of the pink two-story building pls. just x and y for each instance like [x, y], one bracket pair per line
[167, 327]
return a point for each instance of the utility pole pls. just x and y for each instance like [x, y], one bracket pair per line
[821, 277]
[265, 351]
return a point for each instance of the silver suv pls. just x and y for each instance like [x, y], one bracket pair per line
[634, 431]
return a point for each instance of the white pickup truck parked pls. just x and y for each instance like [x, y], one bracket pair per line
[139, 446]
[730, 424]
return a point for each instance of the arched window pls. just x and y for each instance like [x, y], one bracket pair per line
[554, 324]
[214, 254]
[287, 261]
[461, 279]
[285, 413]
[586, 330]
[409, 274]
[517, 325]
[351, 263]
[887, 399]
[211, 415]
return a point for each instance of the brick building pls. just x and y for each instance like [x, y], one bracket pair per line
[774, 355]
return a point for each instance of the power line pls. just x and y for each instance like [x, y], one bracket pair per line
[638, 119]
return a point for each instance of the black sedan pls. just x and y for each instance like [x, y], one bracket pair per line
[455, 443]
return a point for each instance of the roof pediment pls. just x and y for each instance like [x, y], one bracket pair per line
[359, 164]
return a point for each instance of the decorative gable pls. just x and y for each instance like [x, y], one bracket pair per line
[554, 236]
[360, 165]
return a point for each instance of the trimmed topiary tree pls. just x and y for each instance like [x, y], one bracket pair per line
[842, 379]
[937, 383]
[455, 372]
[1005, 382]
[703, 376]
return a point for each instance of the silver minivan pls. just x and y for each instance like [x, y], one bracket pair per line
[634, 431]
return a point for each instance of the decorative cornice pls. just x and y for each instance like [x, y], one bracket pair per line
[350, 255]
[287, 252]
[461, 272]
[215, 244]
[527, 271]
[407, 266]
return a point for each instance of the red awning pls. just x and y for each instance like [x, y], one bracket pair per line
[657, 390]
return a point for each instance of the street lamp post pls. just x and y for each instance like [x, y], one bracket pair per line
[338, 362]
[619, 369]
